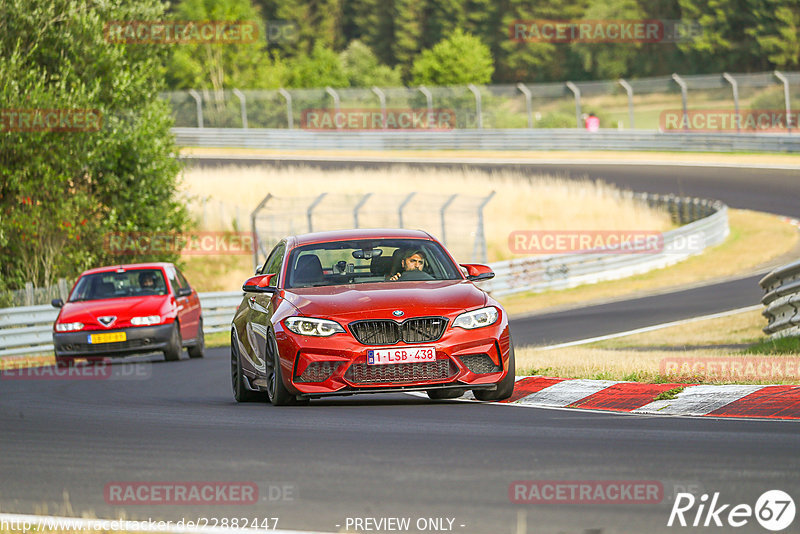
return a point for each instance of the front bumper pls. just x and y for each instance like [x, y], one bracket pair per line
[476, 359]
[140, 339]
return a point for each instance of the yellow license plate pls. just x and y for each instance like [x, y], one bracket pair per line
[110, 337]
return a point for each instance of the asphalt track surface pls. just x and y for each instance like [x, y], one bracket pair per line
[396, 455]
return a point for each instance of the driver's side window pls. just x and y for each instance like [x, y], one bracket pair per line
[274, 262]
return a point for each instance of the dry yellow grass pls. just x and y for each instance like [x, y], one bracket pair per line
[740, 328]
[756, 238]
[521, 203]
[693, 366]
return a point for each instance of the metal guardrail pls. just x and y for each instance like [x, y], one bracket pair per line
[486, 139]
[707, 226]
[782, 301]
[29, 329]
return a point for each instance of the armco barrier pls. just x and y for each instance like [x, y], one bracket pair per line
[504, 139]
[28, 330]
[707, 225]
[782, 301]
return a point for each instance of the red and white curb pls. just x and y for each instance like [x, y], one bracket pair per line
[733, 400]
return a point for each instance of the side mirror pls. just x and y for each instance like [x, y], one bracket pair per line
[57, 303]
[260, 284]
[477, 272]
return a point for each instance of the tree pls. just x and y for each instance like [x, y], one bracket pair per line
[63, 192]
[363, 69]
[460, 59]
[776, 29]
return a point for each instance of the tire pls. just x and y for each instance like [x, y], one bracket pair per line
[439, 394]
[504, 388]
[197, 350]
[173, 351]
[240, 390]
[276, 390]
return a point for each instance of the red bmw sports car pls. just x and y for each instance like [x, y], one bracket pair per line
[368, 311]
[129, 309]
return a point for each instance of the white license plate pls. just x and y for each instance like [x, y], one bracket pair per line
[401, 355]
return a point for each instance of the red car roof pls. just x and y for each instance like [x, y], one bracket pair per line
[111, 268]
[372, 233]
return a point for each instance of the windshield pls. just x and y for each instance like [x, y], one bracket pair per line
[111, 285]
[365, 261]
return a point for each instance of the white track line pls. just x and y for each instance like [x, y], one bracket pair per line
[650, 328]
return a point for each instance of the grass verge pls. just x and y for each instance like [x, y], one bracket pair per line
[755, 239]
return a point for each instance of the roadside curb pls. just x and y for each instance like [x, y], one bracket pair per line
[733, 400]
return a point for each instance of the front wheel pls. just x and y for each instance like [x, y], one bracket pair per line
[440, 394]
[504, 388]
[172, 352]
[197, 350]
[276, 390]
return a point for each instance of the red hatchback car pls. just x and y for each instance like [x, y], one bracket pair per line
[129, 309]
[368, 311]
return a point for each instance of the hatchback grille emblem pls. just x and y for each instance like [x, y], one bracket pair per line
[107, 320]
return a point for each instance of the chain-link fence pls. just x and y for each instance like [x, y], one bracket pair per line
[622, 104]
[456, 220]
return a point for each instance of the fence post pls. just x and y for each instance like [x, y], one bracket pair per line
[63, 290]
[684, 99]
[785, 81]
[358, 207]
[403, 205]
[253, 215]
[310, 210]
[478, 110]
[289, 115]
[336, 106]
[441, 212]
[577, 92]
[242, 105]
[382, 99]
[629, 90]
[528, 107]
[429, 98]
[480, 236]
[28, 294]
[735, 87]
[199, 101]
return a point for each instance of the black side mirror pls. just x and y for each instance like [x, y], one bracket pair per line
[57, 303]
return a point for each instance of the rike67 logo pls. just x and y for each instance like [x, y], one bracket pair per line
[774, 510]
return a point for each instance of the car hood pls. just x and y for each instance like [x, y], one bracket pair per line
[379, 300]
[88, 311]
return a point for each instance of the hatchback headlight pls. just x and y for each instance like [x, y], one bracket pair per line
[146, 321]
[309, 326]
[68, 327]
[477, 318]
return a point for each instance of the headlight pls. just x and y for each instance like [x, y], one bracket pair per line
[477, 318]
[145, 321]
[68, 327]
[308, 326]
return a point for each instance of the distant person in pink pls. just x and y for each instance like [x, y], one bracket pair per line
[592, 123]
